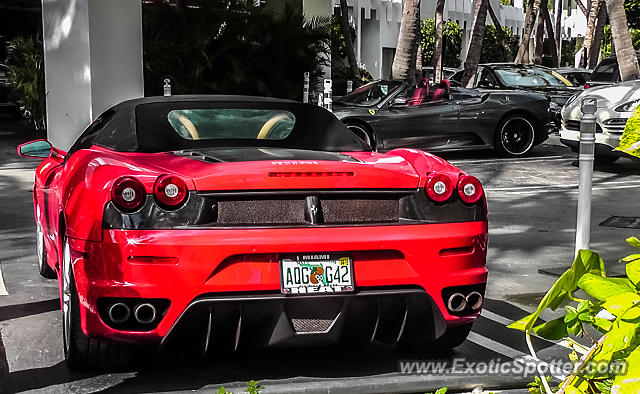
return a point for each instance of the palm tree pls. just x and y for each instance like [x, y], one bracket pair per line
[500, 32]
[588, 36]
[437, 50]
[539, 49]
[404, 62]
[627, 60]
[532, 13]
[346, 30]
[475, 44]
[549, 26]
[558, 37]
[598, 36]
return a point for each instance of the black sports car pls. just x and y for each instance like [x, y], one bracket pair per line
[528, 77]
[392, 114]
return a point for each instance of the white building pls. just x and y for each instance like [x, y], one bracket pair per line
[377, 25]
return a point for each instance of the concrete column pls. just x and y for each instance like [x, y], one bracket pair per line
[93, 60]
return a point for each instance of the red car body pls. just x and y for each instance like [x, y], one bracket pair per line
[222, 279]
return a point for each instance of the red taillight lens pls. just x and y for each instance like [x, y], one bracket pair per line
[587, 86]
[439, 188]
[128, 194]
[170, 191]
[469, 189]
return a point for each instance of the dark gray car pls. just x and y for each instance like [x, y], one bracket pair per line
[385, 115]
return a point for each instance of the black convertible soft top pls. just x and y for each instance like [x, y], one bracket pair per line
[141, 125]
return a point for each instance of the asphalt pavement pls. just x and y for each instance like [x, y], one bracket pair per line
[532, 209]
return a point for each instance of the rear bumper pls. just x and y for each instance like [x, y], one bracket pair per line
[191, 268]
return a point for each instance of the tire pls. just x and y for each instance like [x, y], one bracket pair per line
[363, 133]
[43, 267]
[453, 337]
[81, 352]
[515, 136]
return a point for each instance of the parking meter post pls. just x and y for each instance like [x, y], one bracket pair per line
[167, 87]
[327, 95]
[349, 86]
[320, 103]
[585, 160]
[305, 89]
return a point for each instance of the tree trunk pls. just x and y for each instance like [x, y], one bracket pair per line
[598, 36]
[419, 54]
[508, 57]
[582, 7]
[530, 19]
[588, 36]
[627, 60]
[539, 50]
[475, 44]
[351, 54]
[438, 41]
[406, 51]
[549, 25]
[558, 30]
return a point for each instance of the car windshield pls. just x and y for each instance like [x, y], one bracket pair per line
[530, 77]
[226, 123]
[370, 94]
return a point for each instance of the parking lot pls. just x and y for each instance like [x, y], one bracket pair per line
[532, 209]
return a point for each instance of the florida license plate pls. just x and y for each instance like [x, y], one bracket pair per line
[316, 273]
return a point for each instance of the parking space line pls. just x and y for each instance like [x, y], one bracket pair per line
[518, 160]
[495, 317]
[495, 346]
[3, 289]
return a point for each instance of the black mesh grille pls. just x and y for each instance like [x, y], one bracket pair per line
[261, 212]
[360, 211]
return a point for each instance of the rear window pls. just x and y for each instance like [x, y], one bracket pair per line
[231, 123]
[607, 71]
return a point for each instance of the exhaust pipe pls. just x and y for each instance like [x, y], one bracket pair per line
[474, 300]
[145, 313]
[457, 302]
[119, 312]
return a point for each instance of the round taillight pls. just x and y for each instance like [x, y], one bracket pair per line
[170, 191]
[439, 188]
[469, 189]
[128, 194]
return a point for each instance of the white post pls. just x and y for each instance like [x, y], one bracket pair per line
[305, 88]
[585, 160]
[166, 88]
[327, 95]
[349, 86]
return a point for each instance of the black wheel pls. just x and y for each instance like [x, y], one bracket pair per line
[80, 351]
[453, 337]
[363, 133]
[43, 267]
[605, 159]
[515, 136]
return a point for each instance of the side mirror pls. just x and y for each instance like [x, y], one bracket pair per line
[38, 148]
[399, 101]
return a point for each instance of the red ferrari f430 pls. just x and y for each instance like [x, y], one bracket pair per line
[217, 223]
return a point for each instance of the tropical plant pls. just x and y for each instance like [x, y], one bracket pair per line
[26, 77]
[452, 42]
[632, 8]
[611, 309]
[627, 60]
[348, 40]
[438, 41]
[501, 34]
[233, 48]
[606, 48]
[530, 18]
[493, 47]
[630, 140]
[404, 61]
[475, 45]
[253, 387]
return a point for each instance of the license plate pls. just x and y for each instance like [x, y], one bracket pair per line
[316, 273]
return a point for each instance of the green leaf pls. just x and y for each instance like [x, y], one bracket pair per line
[630, 258]
[603, 324]
[633, 272]
[632, 313]
[630, 380]
[442, 390]
[633, 241]
[619, 304]
[572, 314]
[601, 288]
[555, 329]
[622, 336]
[604, 386]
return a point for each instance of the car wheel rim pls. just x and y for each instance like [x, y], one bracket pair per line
[360, 133]
[66, 295]
[516, 136]
[40, 246]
